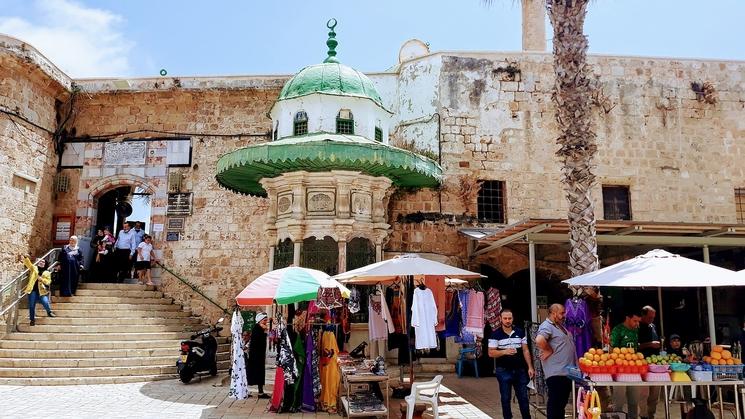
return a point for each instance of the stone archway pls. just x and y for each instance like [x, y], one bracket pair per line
[88, 207]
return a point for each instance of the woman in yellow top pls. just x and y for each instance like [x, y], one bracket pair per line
[37, 288]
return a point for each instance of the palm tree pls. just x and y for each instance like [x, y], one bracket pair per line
[573, 99]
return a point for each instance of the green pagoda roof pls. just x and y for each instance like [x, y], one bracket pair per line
[330, 78]
[242, 169]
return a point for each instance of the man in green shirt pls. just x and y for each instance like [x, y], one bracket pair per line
[626, 335]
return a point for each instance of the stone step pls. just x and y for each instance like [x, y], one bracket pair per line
[105, 286]
[118, 293]
[164, 360]
[91, 345]
[94, 371]
[103, 328]
[111, 300]
[71, 381]
[70, 311]
[38, 337]
[112, 307]
[42, 319]
[97, 353]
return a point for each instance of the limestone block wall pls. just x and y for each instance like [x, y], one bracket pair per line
[27, 160]
[222, 245]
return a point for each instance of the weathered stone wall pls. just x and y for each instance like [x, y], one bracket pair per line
[27, 161]
[222, 245]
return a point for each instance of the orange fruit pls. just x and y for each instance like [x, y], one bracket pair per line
[595, 363]
[596, 357]
[631, 350]
[614, 355]
[616, 350]
[707, 359]
[624, 350]
[610, 362]
[599, 351]
[730, 362]
[592, 351]
[639, 355]
[736, 361]
[604, 357]
[726, 354]
[638, 363]
[601, 363]
[716, 355]
[714, 361]
[717, 348]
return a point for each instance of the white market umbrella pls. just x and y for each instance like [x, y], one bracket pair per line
[402, 265]
[238, 378]
[658, 268]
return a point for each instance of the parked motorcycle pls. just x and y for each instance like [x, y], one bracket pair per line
[199, 357]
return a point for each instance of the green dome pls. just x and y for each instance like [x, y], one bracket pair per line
[331, 79]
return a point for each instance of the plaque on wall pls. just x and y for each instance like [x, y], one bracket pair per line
[179, 203]
[321, 202]
[124, 153]
[62, 228]
[284, 203]
[173, 236]
[176, 223]
[361, 204]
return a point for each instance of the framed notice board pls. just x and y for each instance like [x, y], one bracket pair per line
[62, 228]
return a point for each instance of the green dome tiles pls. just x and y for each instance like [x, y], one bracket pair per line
[332, 79]
[241, 170]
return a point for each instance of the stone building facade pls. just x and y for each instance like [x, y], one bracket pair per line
[482, 116]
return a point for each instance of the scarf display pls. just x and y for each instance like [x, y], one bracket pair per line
[493, 308]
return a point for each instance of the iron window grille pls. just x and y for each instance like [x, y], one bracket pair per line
[284, 254]
[378, 134]
[740, 205]
[322, 255]
[616, 202]
[491, 202]
[345, 122]
[300, 126]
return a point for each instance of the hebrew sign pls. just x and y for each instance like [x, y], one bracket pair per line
[124, 153]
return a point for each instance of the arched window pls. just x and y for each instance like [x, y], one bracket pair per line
[345, 122]
[284, 254]
[360, 252]
[322, 255]
[300, 125]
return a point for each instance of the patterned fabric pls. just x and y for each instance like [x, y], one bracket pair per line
[493, 308]
[316, 368]
[294, 398]
[465, 336]
[354, 300]
[475, 318]
[238, 383]
[329, 371]
[539, 380]
[286, 358]
[329, 298]
[454, 317]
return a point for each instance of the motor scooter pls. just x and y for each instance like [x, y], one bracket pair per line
[199, 357]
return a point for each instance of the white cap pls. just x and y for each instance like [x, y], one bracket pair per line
[260, 317]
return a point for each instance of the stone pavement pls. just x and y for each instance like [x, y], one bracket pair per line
[459, 398]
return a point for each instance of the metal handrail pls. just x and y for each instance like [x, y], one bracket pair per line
[15, 287]
[194, 288]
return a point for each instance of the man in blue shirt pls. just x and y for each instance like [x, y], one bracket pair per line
[514, 365]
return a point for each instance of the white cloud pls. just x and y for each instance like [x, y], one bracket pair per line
[83, 42]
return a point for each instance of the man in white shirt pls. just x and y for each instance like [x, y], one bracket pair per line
[124, 251]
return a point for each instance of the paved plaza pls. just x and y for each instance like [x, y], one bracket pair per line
[459, 398]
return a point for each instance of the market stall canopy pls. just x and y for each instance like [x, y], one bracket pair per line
[287, 286]
[402, 265]
[242, 169]
[658, 268]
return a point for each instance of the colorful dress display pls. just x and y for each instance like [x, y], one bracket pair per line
[329, 371]
[579, 323]
[379, 322]
[475, 318]
[424, 319]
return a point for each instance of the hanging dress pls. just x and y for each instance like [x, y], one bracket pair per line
[329, 372]
[238, 383]
[256, 368]
[379, 319]
[453, 318]
[294, 398]
[578, 323]
[493, 308]
[310, 374]
[279, 390]
[475, 318]
[466, 337]
[286, 357]
[424, 319]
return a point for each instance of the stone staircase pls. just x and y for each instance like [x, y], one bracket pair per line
[107, 333]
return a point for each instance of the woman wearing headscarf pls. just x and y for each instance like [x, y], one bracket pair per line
[71, 262]
[37, 288]
[256, 368]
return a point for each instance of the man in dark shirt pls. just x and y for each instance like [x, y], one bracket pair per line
[649, 344]
[514, 365]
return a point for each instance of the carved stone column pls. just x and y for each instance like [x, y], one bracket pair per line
[342, 256]
[297, 248]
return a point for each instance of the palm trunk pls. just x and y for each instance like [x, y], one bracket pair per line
[572, 96]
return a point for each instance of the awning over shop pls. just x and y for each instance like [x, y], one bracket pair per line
[619, 233]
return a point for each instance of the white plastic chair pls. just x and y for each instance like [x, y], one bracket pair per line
[416, 396]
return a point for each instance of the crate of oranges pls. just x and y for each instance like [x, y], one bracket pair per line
[723, 365]
[615, 361]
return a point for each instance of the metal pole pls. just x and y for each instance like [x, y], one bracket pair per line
[533, 291]
[710, 304]
[660, 310]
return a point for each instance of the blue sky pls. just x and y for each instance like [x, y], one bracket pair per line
[87, 38]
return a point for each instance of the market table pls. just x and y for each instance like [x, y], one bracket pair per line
[666, 385]
[366, 378]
